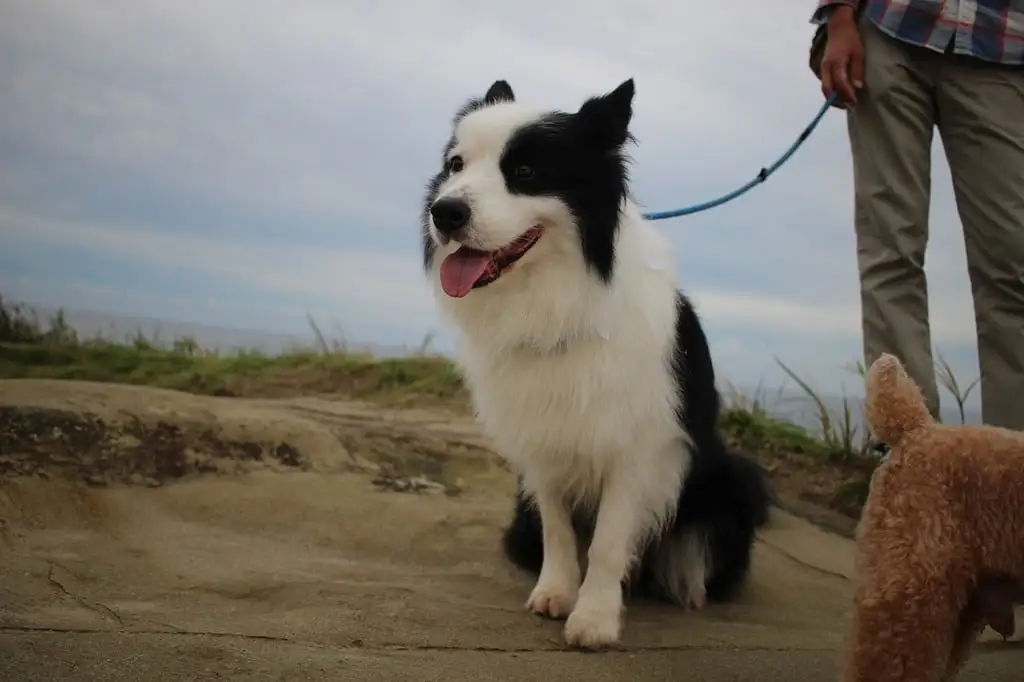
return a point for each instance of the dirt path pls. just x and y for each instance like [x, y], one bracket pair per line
[152, 535]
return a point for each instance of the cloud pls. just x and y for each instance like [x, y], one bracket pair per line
[270, 159]
[350, 280]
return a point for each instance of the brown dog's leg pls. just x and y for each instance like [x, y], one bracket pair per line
[995, 605]
[994, 599]
[903, 634]
[992, 603]
[972, 622]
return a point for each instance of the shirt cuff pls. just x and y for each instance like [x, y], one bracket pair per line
[826, 8]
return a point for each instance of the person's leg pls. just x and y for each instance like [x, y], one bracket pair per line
[891, 131]
[981, 121]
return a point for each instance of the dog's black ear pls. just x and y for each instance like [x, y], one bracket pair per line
[605, 119]
[500, 91]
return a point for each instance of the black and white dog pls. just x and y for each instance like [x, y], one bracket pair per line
[588, 368]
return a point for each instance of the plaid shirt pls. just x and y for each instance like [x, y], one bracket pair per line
[991, 30]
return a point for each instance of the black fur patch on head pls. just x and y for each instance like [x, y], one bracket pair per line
[579, 159]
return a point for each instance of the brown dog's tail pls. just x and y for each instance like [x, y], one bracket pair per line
[894, 403]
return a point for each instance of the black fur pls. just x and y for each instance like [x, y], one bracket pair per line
[578, 158]
[500, 91]
[726, 495]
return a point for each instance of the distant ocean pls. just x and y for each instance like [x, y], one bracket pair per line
[787, 402]
[114, 327]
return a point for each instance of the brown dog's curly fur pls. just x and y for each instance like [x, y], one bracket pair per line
[940, 545]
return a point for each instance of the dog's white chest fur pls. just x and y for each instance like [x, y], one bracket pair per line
[572, 378]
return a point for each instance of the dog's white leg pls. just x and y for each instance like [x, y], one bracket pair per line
[554, 595]
[596, 620]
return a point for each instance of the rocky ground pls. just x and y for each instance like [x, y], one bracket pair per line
[147, 534]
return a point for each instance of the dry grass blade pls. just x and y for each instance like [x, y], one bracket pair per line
[425, 344]
[946, 376]
[824, 416]
[843, 434]
[321, 340]
[755, 403]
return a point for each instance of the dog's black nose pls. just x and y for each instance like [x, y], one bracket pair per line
[450, 215]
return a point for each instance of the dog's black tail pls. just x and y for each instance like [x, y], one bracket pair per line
[523, 540]
[751, 488]
[726, 499]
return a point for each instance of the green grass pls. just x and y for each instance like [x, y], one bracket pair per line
[30, 348]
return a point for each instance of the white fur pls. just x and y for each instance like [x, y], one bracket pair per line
[571, 378]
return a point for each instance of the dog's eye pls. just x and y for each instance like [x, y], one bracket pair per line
[524, 172]
[455, 164]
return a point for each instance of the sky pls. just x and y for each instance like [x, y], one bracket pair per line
[246, 162]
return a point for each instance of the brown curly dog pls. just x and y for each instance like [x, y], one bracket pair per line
[940, 543]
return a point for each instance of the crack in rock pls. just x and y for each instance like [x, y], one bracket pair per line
[94, 606]
[393, 647]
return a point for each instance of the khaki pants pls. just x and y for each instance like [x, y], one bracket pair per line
[978, 110]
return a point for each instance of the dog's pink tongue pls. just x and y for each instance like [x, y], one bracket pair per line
[461, 270]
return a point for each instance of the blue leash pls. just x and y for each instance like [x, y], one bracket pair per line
[761, 176]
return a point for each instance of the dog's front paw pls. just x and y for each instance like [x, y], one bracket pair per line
[551, 600]
[593, 629]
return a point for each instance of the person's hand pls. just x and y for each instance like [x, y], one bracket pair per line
[842, 65]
